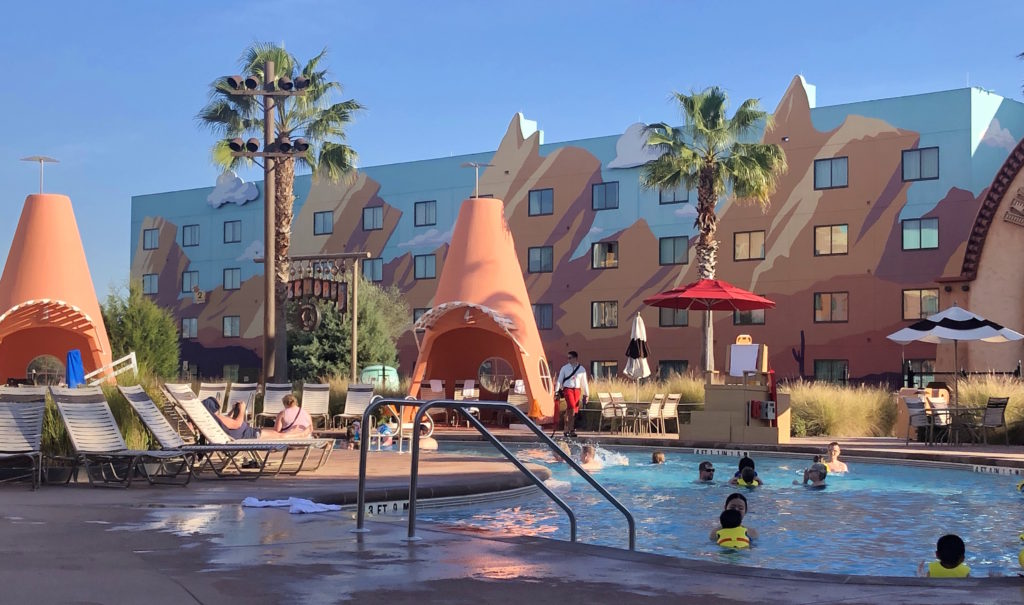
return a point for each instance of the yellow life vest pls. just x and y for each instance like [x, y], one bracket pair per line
[740, 482]
[936, 570]
[733, 537]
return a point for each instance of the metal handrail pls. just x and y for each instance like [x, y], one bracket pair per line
[461, 405]
[501, 405]
[398, 403]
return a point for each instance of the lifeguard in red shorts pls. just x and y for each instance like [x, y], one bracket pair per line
[572, 381]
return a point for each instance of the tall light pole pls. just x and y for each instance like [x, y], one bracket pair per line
[476, 166]
[273, 148]
[42, 159]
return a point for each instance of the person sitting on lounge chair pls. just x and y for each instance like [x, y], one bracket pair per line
[234, 423]
[292, 422]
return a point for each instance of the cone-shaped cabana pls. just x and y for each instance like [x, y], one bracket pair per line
[481, 310]
[48, 304]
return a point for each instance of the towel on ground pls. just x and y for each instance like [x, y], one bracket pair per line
[295, 505]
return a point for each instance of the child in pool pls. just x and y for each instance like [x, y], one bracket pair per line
[588, 459]
[738, 502]
[745, 462]
[949, 551]
[748, 478]
[732, 534]
[658, 457]
[815, 475]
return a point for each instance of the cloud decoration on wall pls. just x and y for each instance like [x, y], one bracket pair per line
[252, 251]
[231, 189]
[631, 148]
[685, 210]
[997, 136]
[432, 238]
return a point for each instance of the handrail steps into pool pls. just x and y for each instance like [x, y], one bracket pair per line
[423, 409]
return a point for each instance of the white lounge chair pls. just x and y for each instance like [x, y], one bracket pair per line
[273, 400]
[101, 449]
[316, 400]
[651, 417]
[21, 428]
[211, 430]
[246, 393]
[357, 399]
[670, 411]
[221, 459]
[217, 390]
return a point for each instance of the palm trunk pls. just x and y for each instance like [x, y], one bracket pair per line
[284, 180]
[707, 253]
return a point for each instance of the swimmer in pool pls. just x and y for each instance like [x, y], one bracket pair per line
[738, 502]
[588, 459]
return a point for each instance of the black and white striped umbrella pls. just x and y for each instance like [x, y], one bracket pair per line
[953, 325]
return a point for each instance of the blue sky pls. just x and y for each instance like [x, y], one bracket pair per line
[439, 78]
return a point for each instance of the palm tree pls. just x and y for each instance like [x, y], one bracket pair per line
[708, 152]
[312, 115]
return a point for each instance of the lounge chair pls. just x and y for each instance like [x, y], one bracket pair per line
[245, 392]
[101, 449]
[21, 428]
[221, 459]
[316, 400]
[651, 417]
[211, 430]
[273, 400]
[670, 411]
[217, 390]
[992, 417]
[357, 400]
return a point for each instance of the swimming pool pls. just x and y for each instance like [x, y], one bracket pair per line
[879, 519]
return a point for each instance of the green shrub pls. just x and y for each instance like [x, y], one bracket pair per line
[974, 394]
[823, 409]
[136, 323]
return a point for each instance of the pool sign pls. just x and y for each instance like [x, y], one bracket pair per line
[396, 507]
[717, 452]
[997, 470]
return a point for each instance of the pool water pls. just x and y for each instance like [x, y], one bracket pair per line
[878, 519]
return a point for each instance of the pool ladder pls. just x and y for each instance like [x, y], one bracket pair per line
[425, 406]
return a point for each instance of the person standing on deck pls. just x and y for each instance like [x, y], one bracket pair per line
[572, 381]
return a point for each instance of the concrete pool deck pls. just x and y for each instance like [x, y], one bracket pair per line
[197, 545]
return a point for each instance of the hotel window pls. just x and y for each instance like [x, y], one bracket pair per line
[189, 279]
[921, 234]
[831, 370]
[667, 368]
[189, 327]
[150, 239]
[830, 173]
[231, 326]
[542, 201]
[232, 232]
[419, 312]
[426, 213]
[673, 318]
[604, 314]
[679, 195]
[232, 279]
[373, 218]
[605, 196]
[748, 318]
[921, 164]
[673, 250]
[189, 236]
[604, 255]
[373, 269]
[425, 266]
[231, 371]
[540, 259]
[830, 240]
[604, 369]
[149, 283]
[831, 307]
[918, 304]
[544, 316]
[323, 222]
[924, 371]
[748, 245]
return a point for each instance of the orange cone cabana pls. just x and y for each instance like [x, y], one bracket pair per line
[482, 310]
[48, 304]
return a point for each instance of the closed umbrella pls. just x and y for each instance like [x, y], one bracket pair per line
[74, 374]
[637, 353]
[953, 325]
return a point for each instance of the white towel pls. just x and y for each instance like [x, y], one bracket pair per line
[436, 385]
[295, 505]
[743, 358]
[468, 384]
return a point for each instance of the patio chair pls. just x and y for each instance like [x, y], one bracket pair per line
[357, 399]
[217, 390]
[918, 417]
[465, 389]
[992, 417]
[611, 412]
[431, 389]
[211, 430]
[273, 400]
[21, 428]
[221, 459]
[316, 400]
[245, 392]
[101, 449]
[670, 411]
[652, 415]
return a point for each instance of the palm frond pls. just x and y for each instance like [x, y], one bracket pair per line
[221, 156]
[255, 57]
[220, 116]
[331, 122]
[747, 119]
[336, 162]
[753, 170]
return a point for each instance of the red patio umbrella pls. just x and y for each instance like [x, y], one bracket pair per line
[710, 295]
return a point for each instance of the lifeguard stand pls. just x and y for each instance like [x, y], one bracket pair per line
[747, 362]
